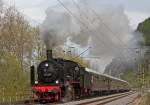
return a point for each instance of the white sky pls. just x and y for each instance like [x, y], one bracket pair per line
[136, 10]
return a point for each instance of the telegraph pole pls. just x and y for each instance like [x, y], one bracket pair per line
[143, 76]
[141, 72]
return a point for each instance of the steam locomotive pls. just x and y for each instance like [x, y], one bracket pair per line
[60, 79]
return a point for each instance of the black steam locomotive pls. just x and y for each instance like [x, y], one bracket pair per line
[60, 79]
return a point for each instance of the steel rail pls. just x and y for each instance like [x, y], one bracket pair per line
[112, 98]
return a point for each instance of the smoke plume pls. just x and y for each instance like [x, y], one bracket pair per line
[103, 27]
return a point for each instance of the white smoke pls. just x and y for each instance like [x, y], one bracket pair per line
[1, 6]
[104, 28]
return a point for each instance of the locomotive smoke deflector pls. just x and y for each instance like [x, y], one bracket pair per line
[49, 54]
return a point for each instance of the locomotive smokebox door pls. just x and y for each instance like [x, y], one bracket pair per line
[32, 75]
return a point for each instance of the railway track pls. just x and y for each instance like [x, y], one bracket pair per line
[92, 101]
[99, 100]
[106, 100]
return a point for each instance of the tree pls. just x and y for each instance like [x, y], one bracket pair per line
[17, 42]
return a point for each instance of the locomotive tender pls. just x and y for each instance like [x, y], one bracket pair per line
[60, 79]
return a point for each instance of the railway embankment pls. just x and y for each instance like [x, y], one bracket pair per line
[143, 99]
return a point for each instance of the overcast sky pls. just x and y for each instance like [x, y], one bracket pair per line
[136, 10]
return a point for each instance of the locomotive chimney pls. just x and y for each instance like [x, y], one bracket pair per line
[49, 54]
[32, 75]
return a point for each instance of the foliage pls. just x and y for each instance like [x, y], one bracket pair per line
[144, 28]
[135, 78]
[13, 81]
[131, 77]
[17, 41]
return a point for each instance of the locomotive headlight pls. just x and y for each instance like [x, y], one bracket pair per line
[57, 81]
[46, 64]
[36, 82]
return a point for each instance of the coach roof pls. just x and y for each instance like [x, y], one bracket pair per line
[111, 77]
